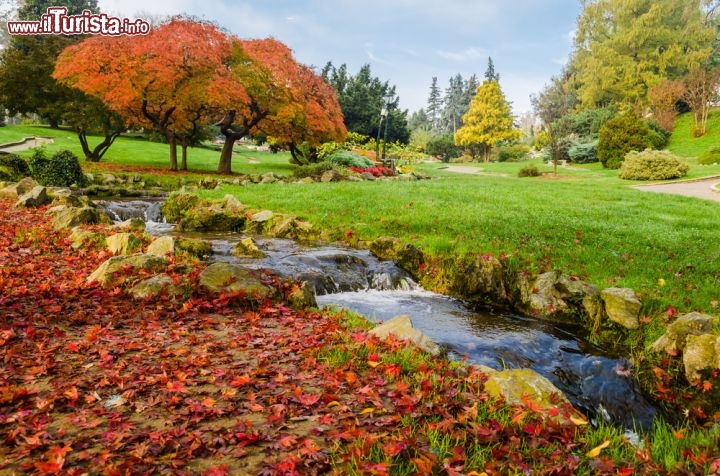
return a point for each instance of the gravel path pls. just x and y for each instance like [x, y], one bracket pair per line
[696, 188]
[25, 144]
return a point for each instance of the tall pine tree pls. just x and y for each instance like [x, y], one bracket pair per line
[435, 105]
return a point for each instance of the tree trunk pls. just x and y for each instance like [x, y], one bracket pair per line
[99, 150]
[54, 123]
[172, 142]
[294, 155]
[183, 160]
[225, 164]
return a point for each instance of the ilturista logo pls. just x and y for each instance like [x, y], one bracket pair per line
[57, 22]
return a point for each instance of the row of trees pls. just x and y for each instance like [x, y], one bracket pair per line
[183, 76]
[637, 57]
[470, 116]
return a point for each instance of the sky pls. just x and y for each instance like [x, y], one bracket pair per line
[405, 42]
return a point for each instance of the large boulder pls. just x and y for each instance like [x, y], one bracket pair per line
[622, 306]
[16, 190]
[36, 197]
[401, 327]
[104, 273]
[702, 352]
[178, 204]
[481, 280]
[231, 278]
[553, 293]
[70, 217]
[157, 285]
[406, 256]
[162, 246]
[211, 218]
[675, 337]
[123, 243]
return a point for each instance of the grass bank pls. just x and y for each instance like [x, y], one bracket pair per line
[586, 223]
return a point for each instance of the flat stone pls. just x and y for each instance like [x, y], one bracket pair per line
[157, 285]
[262, 217]
[512, 384]
[69, 217]
[122, 243]
[401, 326]
[162, 246]
[104, 273]
[230, 278]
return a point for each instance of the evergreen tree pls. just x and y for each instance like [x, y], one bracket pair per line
[361, 99]
[471, 86]
[490, 74]
[487, 122]
[435, 105]
[454, 105]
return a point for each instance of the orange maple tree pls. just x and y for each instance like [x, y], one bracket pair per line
[312, 117]
[164, 80]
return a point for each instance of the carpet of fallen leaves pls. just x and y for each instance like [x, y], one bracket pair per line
[92, 382]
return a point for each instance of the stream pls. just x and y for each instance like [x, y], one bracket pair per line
[595, 381]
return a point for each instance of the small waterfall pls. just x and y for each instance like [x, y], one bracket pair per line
[150, 211]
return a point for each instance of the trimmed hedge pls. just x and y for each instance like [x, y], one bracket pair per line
[13, 168]
[620, 135]
[652, 165]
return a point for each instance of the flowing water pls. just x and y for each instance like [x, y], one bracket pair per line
[595, 381]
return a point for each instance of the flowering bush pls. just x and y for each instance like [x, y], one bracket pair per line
[378, 171]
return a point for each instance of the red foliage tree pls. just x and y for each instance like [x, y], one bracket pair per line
[164, 80]
[313, 116]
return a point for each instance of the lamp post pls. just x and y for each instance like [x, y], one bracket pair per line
[388, 99]
[383, 115]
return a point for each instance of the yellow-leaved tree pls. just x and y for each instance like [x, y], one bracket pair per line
[487, 121]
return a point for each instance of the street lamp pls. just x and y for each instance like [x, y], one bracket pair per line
[383, 115]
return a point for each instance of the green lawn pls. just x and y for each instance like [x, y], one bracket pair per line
[684, 144]
[136, 151]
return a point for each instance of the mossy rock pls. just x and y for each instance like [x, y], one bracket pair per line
[104, 274]
[223, 277]
[211, 219]
[194, 247]
[178, 204]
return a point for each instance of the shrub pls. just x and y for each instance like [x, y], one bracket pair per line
[62, 169]
[327, 149]
[583, 152]
[658, 136]
[313, 170]
[588, 122]
[529, 171]
[444, 147]
[345, 158]
[13, 168]
[620, 135]
[379, 171]
[513, 153]
[652, 165]
[710, 156]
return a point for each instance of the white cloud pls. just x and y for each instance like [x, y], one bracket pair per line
[468, 54]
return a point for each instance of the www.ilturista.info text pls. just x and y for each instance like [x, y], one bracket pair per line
[57, 22]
